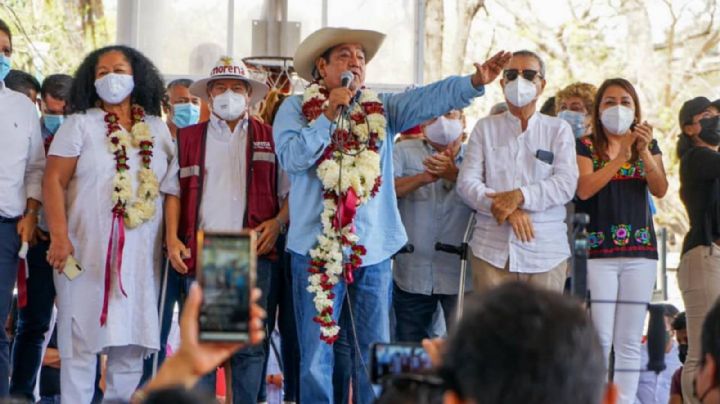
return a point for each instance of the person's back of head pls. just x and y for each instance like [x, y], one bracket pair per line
[23, 82]
[178, 395]
[519, 344]
[57, 86]
[707, 379]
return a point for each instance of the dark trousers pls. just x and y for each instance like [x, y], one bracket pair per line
[280, 307]
[9, 247]
[33, 322]
[414, 313]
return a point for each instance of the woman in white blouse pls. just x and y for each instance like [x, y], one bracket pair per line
[104, 209]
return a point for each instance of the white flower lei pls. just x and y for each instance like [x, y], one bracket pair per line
[356, 170]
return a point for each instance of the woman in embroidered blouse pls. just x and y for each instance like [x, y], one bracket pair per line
[111, 225]
[618, 163]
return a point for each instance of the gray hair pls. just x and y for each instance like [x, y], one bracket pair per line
[531, 54]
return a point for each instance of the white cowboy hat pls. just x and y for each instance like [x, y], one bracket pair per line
[325, 38]
[229, 68]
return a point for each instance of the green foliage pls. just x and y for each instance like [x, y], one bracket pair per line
[52, 36]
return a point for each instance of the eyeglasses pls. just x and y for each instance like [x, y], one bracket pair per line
[528, 74]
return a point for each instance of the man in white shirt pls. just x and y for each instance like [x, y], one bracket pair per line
[22, 160]
[518, 173]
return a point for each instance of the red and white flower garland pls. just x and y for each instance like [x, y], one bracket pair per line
[125, 211]
[350, 179]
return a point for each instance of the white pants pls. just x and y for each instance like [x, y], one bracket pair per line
[123, 373]
[621, 325]
[699, 281]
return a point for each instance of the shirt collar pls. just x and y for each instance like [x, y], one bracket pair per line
[222, 126]
[531, 122]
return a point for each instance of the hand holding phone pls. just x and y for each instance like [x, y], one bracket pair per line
[72, 268]
[226, 271]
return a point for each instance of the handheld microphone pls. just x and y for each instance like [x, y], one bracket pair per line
[346, 78]
[656, 338]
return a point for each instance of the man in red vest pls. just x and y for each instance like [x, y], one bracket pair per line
[227, 180]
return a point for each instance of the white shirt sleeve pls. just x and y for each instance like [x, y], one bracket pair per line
[471, 178]
[560, 187]
[170, 184]
[36, 161]
[68, 141]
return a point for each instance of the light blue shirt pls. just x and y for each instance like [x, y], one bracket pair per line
[655, 388]
[299, 146]
[432, 213]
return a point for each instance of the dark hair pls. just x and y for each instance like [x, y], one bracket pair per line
[679, 322]
[57, 86]
[520, 344]
[683, 145]
[6, 29]
[148, 90]
[326, 55]
[669, 310]
[177, 82]
[22, 82]
[548, 107]
[710, 342]
[412, 389]
[178, 395]
[599, 138]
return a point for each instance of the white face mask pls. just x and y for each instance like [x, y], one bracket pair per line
[520, 92]
[229, 105]
[444, 131]
[114, 88]
[617, 119]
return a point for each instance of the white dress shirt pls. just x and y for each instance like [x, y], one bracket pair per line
[501, 157]
[224, 197]
[22, 156]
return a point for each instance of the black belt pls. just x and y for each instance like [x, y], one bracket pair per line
[9, 219]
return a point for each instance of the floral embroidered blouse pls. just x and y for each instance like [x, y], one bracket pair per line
[621, 223]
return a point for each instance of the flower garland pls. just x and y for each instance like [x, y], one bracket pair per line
[119, 140]
[124, 211]
[350, 178]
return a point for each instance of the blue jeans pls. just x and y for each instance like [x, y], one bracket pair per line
[414, 313]
[370, 306]
[344, 353]
[33, 322]
[280, 306]
[176, 290]
[248, 363]
[9, 247]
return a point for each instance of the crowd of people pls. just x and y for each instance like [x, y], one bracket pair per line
[109, 198]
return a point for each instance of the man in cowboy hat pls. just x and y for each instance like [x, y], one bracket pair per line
[302, 135]
[227, 180]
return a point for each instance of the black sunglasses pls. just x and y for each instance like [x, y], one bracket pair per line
[528, 74]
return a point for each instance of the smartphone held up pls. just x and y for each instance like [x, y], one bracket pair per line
[226, 269]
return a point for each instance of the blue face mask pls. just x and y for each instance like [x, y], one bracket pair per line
[5, 64]
[185, 114]
[52, 122]
[576, 121]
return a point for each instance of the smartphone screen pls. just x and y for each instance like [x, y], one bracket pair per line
[392, 359]
[226, 274]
